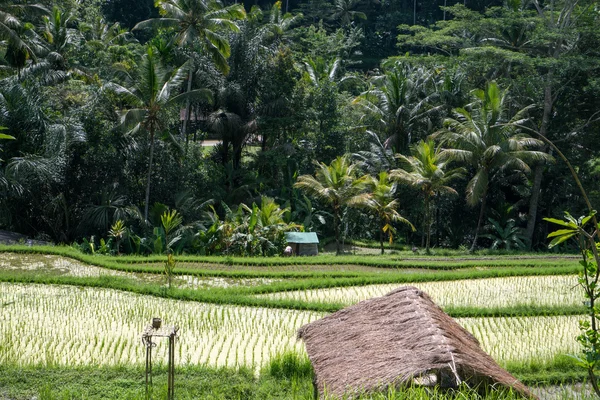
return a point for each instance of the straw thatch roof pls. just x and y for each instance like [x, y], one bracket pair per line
[402, 338]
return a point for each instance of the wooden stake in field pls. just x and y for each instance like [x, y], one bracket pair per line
[154, 330]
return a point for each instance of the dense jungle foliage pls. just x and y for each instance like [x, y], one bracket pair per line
[418, 122]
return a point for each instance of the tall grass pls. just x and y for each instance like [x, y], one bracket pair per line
[290, 365]
[197, 382]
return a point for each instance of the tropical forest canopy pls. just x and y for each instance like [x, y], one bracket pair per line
[421, 122]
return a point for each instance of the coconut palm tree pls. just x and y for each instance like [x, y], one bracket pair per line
[380, 200]
[58, 37]
[396, 103]
[101, 34]
[21, 39]
[343, 11]
[55, 42]
[148, 93]
[333, 184]
[34, 158]
[270, 222]
[37, 178]
[426, 171]
[280, 23]
[109, 208]
[378, 158]
[319, 70]
[199, 23]
[485, 137]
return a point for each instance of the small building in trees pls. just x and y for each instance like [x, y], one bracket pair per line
[303, 243]
[400, 339]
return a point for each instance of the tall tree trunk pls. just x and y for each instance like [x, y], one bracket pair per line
[336, 227]
[381, 235]
[149, 175]
[424, 228]
[196, 112]
[539, 170]
[445, 4]
[481, 214]
[533, 205]
[187, 105]
[437, 225]
[225, 151]
[428, 226]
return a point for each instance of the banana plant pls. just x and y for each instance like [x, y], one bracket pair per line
[506, 236]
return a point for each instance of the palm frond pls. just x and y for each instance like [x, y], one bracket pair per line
[133, 117]
[193, 95]
[403, 176]
[477, 186]
[458, 155]
[32, 168]
[156, 23]
[126, 94]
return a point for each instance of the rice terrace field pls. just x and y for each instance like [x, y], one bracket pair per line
[70, 324]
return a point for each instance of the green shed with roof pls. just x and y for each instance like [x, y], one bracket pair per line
[303, 243]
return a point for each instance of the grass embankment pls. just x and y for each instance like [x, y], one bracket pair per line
[287, 377]
[126, 382]
[129, 263]
[386, 261]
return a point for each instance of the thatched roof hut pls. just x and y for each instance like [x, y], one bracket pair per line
[402, 338]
